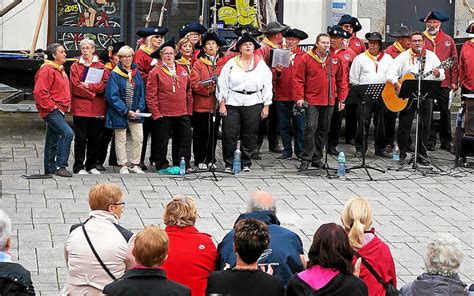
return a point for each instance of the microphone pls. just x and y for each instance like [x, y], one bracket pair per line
[328, 51]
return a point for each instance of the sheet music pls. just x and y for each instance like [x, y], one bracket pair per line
[280, 56]
[94, 75]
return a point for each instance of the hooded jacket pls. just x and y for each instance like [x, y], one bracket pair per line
[435, 285]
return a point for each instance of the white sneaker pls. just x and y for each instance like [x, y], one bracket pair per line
[202, 166]
[137, 170]
[246, 169]
[228, 169]
[82, 172]
[124, 170]
[212, 166]
[94, 172]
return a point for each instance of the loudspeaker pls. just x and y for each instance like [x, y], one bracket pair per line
[469, 118]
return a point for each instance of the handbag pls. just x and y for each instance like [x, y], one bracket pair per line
[390, 289]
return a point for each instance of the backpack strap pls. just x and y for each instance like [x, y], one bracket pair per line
[372, 270]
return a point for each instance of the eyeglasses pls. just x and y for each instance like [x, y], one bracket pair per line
[122, 203]
[347, 26]
[167, 53]
[127, 57]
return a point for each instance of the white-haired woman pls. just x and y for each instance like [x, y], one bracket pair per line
[443, 256]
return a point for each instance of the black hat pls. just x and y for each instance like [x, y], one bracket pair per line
[169, 43]
[292, 32]
[107, 53]
[246, 37]
[247, 28]
[470, 29]
[338, 31]
[345, 19]
[191, 27]
[145, 32]
[435, 15]
[356, 24]
[274, 27]
[374, 36]
[213, 36]
[401, 32]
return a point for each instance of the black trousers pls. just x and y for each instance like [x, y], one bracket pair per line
[241, 123]
[106, 137]
[86, 136]
[318, 119]
[180, 126]
[376, 110]
[147, 130]
[390, 120]
[269, 127]
[406, 118]
[350, 126]
[335, 127]
[204, 141]
[445, 135]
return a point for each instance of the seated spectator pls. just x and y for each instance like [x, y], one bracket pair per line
[330, 270]
[443, 256]
[192, 254]
[147, 278]
[14, 278]
[251, 239]
[86, 274]
[357, 220]
[285, 253]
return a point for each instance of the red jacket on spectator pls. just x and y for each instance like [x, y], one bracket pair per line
[87, 102]
[466, 65]
[394, 50]
[51, 89]
[191, 257]
[169, 95]
[203, 95]
[311, 80]
[444, 47]
[379, 257]
[283, 81]
[143, 61]
[356, 44]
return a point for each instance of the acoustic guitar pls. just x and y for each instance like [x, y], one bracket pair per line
[390, 95]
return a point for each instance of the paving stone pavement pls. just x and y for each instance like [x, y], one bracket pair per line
[408, 207]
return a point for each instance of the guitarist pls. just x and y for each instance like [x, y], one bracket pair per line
[409, 62]
[444, 47]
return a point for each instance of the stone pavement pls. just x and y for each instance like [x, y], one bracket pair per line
[408, 207]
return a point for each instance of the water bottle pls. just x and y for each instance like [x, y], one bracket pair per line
[236, 165]
[396, 153]
[182, 167]
[341, 168]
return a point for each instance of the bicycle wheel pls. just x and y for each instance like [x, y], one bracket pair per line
[71, 41]
[105, 40]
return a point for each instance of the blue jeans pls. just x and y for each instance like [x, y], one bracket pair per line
[289, 124]
[58, 142]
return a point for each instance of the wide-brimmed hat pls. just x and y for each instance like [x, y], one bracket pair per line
[470, 29]
[293, 32]
[191, 27]
[403, 31]
[356, 26]
[353, 21]
[145, 32]
[373, 36]
[213, 36]
[273, 28]
[337, 31]
[435, 15]
[170, 43]
[246, 37]
[107, 53]
[247, 28]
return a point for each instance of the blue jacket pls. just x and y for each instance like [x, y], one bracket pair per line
[117, 111]
[284, 249]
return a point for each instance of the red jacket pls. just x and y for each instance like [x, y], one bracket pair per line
[394, 50]
[87, 102]
[143, 61]
[346, 55]
[466, 65]
[203, 95]
[311, 80]
[379, 257]
[191, 257]
[356, 44]
[444, 47]
[264, 50]
[161, 100]
[51, 89]
[283, 81]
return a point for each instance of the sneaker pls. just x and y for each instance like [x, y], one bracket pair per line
[284, 156]
[246, 169]
[82, 172]
[136, 169]
[124, 170]
[202, 166]
[212, 166]
[63, 172]
[100, 167]
[94, 172]
[228, 169]
[303, 167]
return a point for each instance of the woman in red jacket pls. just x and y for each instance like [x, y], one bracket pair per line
[191, 254]
[185, 48]
[170, 101]
[88, 108]
[357, 219]
[203, 83]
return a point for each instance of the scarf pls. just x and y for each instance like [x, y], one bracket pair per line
[374, 59]
[398, 46]
[81, 61]
[413, 55]
[206, 61]
[239, 64]
[53, 64]
[269, 43]
[124, 73]
[433, 40]
[174, 77]
[146, 49]
[313, 53]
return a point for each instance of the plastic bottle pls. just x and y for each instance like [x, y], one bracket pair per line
[237, 164]
[396, 153]
[341, 168]
[182, 167]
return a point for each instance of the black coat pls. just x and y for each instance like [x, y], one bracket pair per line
[15, 280]
[145, 281]
[340, 285]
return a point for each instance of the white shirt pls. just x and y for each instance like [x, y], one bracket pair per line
[233, 78]
[403, 64]
[363, 69]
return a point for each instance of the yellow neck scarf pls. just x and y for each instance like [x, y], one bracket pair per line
[316, 56]
[206, 61]
[398, 46]
[241, 66]
[174, 77]
[123, 74]
[53, 64]
[269, 43]
[146, 49]
[184, 61]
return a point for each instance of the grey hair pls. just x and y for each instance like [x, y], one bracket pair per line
[443, 255]
[50, 50]
[5, 229]
[254, 206]
[87, 41]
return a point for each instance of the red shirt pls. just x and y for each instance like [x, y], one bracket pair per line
[311, 80]
[87, 102]
[283, 81]
[356, 44]
[169, 95]
[191, 257]
[394, 50]
[51, 89]
[143, 61]
[444, 47]
[466, 65]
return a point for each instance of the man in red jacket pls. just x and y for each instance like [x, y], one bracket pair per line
[444, 47]
[53, 101]
[320, 78]
[466, 64]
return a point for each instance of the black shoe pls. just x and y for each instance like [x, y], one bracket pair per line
[317, 164]
[284, 156]
[276, 149]
[411, 148]
[113, 163]
[142, 166]
[303, 167]
[63, 172]
[447, 146]
[333, 151]
[256, 155]
[100, 167]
